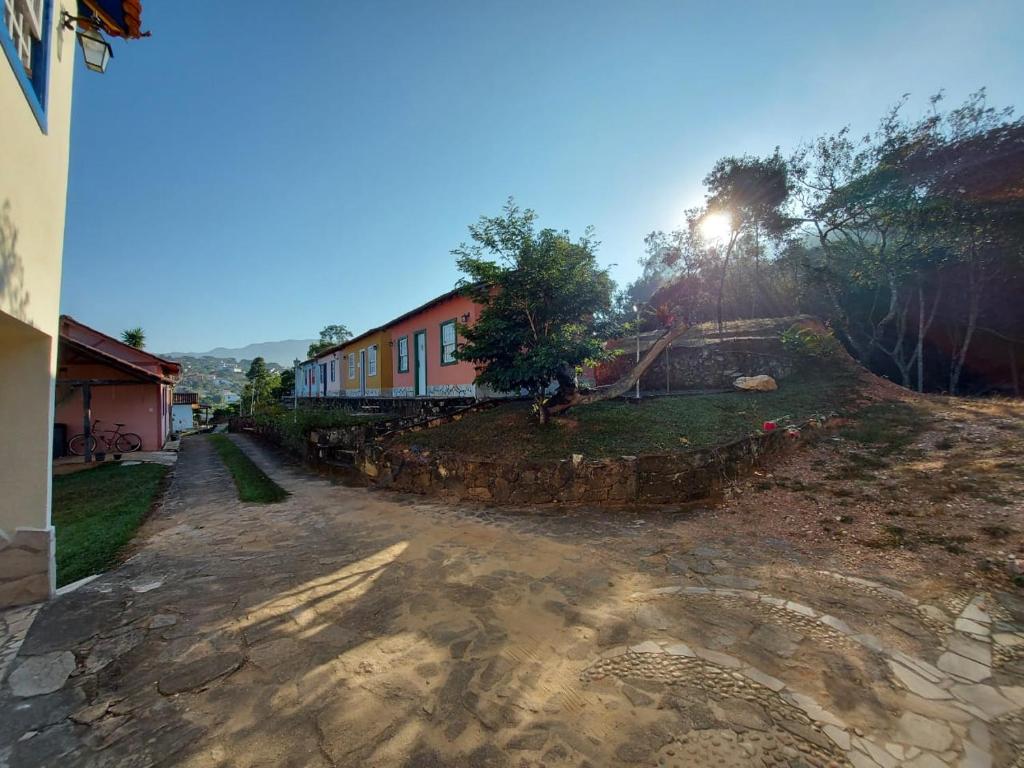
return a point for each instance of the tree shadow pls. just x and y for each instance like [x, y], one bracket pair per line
[14, 298]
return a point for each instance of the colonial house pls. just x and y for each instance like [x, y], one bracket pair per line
[413, 356]
[102, 379]
[424, 341]
[366, 364]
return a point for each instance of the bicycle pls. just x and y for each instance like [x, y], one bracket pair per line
[114, 440]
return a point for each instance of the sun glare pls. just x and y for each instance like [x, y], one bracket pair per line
[716, 226]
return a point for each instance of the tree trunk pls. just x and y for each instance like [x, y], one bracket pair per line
[721, 282]
[920, 338]
[975, 287]
[563, 400]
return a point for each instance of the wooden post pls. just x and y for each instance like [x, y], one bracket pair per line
[87, 420]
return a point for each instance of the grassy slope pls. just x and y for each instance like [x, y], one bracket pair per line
[615, 428]
[252, 483]
[97, 511]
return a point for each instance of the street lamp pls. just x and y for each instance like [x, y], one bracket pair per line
[636, 308]
[96, 51]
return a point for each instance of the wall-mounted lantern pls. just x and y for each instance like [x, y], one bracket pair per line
[95, 49]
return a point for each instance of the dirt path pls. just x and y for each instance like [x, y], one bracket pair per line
[345, 627]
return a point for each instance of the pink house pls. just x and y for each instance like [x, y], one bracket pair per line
[125, 385]
[423, 343]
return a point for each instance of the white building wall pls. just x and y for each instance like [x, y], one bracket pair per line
[33, 192]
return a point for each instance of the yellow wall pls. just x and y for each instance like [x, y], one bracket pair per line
[381, 382]
[33, 193]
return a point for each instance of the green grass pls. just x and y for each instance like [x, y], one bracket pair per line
[252, 483]
[655, 425]
[97, 511]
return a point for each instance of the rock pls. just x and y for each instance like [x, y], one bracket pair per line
[528, 741]
[916, 684]
[924, 732]
[963, 668]
[636, 698]
[196, 674]
[37, 675]
[756, 383]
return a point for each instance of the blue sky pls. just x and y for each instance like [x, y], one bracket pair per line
[255, 171]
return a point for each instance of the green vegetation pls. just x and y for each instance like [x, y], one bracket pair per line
[253, 485]
[97, 511]
[544, 304]
[616, 428]
[293, 430]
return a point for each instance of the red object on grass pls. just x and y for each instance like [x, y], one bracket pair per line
[768, 426]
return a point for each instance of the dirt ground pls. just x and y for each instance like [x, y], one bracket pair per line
[348, 627]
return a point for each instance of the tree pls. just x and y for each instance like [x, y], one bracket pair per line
[745, 200]
[261, 384]
[330, 336]
[545, 302]
[134, 337]
[286, 384]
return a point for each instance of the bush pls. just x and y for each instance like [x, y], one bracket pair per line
[803, 342]
[291, 431]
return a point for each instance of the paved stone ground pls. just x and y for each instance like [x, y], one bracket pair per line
[345, 627]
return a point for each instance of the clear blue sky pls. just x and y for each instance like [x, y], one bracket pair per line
[257, 170]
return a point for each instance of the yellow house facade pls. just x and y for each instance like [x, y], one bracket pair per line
[36, 69]
[366, 365]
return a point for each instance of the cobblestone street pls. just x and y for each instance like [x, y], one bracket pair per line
[346, 627]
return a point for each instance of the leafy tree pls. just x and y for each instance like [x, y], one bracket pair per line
[134, 337]
[259, 390]
[286, 384]
[330, 336]
[748, 194]
[545, 304]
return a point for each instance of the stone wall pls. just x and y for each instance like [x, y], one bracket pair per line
[414, 408]
[704, 358]
[650, 479]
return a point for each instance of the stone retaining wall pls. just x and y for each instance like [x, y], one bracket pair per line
[651, 479]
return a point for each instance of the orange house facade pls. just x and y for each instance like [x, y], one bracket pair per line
[423, 344]
[127, 386]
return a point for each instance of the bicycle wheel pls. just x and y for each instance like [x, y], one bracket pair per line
[128, 442]
[77, 445]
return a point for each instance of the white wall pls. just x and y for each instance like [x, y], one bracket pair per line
[33, 192]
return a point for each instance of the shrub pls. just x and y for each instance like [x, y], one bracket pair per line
[806, 343]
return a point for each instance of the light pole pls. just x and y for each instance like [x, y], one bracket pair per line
[636, 308]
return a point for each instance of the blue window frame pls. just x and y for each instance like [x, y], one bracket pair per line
[33, 78]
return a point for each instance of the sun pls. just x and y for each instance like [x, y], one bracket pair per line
[716, 226]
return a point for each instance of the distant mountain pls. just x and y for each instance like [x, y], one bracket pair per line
[281, 352]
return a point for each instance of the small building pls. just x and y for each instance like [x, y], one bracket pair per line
[366, 369]
[423, 353]
[307, 376]
[107, 381]
[184, 406]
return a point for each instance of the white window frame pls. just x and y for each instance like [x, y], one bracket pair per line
[332, 369]
[371, 360]
[403, 354]
[448, 355]
[351, 365]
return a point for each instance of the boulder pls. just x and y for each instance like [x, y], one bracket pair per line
[756, 383]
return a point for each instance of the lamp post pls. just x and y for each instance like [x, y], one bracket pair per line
[636, 308]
